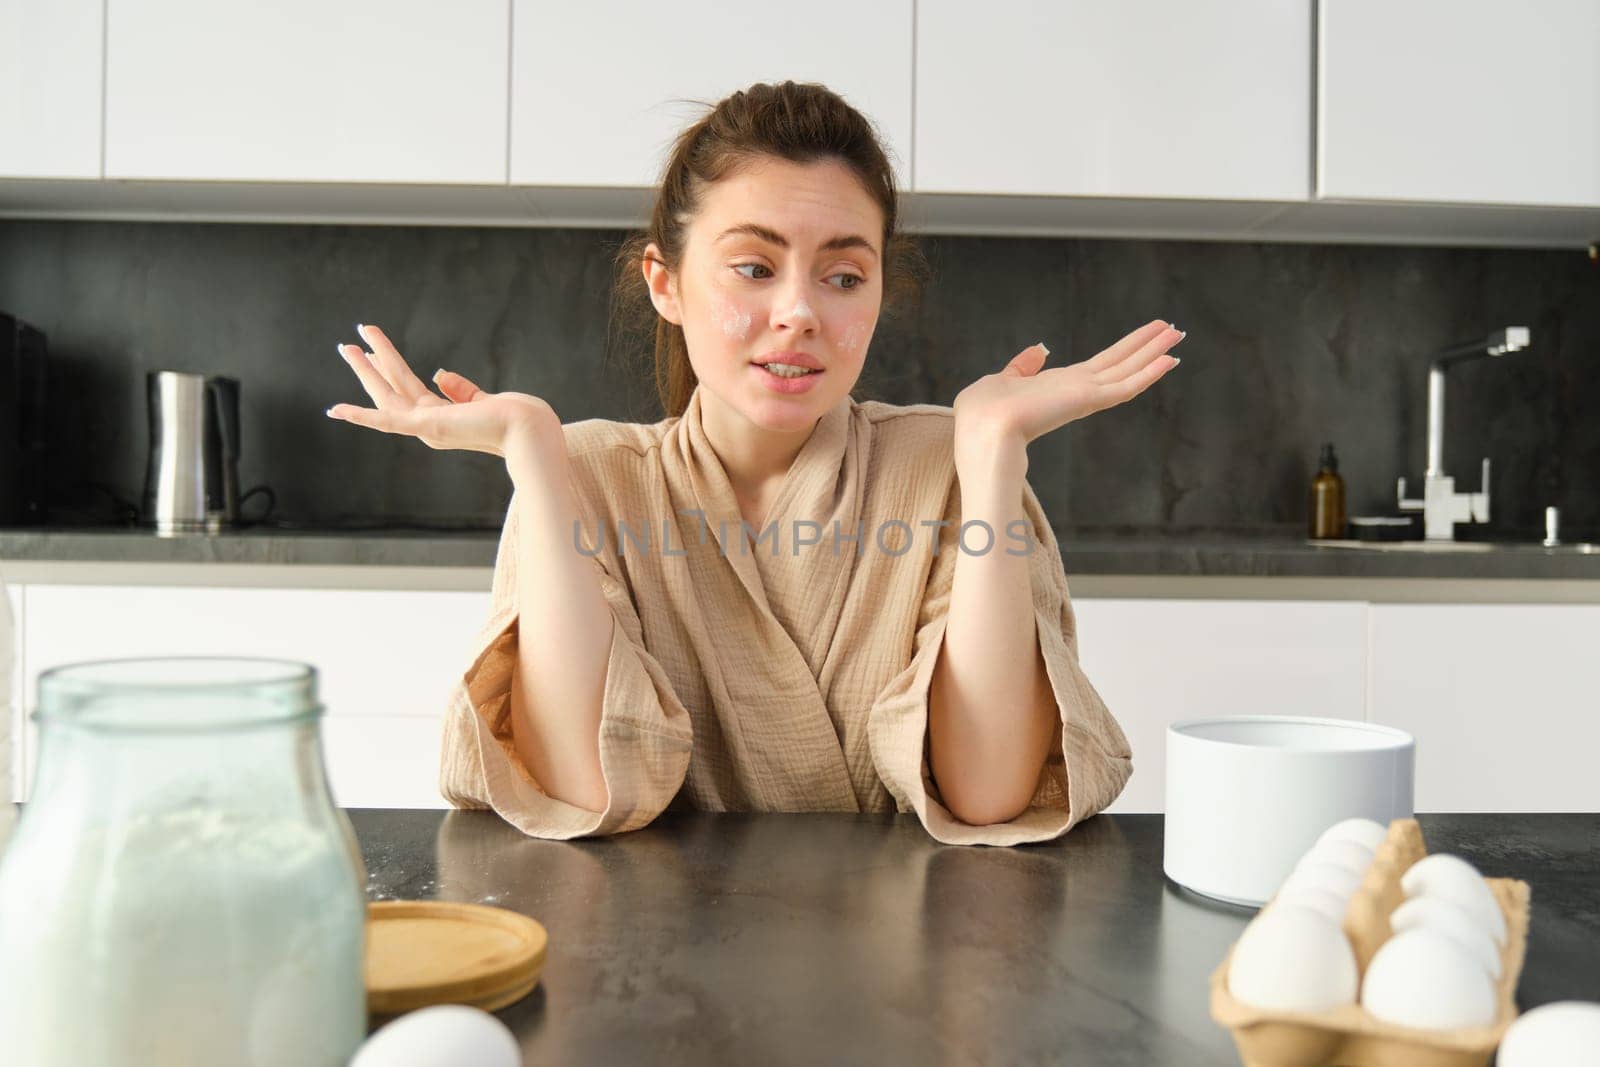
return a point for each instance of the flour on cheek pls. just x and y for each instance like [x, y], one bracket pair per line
[854, 337]
[734, 322]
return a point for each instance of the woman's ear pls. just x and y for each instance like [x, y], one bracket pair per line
[663, 286]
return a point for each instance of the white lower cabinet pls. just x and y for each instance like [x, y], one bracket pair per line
[1503, 699]
[386, 661]
[12, 669]
[1156, 662]
[384, 761]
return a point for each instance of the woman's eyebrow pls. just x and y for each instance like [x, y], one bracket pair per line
[833, 244]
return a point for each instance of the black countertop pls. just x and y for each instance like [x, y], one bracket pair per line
[859, 939]
[1098, 553]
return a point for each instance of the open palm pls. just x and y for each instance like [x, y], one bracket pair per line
[463, 417]
[1023, 402]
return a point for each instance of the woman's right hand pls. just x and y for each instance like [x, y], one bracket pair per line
[465, 417]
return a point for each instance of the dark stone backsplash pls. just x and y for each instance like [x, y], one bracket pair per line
[1289, 345]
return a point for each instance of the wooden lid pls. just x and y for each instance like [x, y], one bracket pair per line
[422, 952]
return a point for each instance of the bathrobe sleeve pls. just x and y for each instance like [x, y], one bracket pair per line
[1089, 760]
[645, 733]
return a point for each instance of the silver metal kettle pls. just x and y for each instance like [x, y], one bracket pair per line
[192, 479]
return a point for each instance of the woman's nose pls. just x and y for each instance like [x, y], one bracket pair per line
[794, 310]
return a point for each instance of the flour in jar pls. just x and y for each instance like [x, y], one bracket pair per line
[183, 937]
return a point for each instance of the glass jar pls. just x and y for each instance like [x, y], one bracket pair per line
[180, 889]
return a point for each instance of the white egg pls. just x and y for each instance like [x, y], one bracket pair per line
[1456, 880]
[1293, 959]
[1330, 877]
[445, 1035]
[1447, 917]
[1422, 978]
[1563, 1034]
[1363, 832]
[1346, 854]
[1318, 900]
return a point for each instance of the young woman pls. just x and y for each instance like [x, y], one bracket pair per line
[777, 598]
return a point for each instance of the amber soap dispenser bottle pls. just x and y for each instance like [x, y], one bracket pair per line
[1327, 497]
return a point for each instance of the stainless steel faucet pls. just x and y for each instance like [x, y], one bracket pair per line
[1441, 506]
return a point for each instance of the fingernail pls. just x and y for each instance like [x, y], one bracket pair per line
[1182, 334]
[1042, 348]
[330, 414]
[1173, 326]
[339, 348]
[437, 373]
[1176, 361]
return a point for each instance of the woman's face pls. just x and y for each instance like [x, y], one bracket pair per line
[781, 263]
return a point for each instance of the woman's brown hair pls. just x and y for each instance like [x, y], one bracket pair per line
[798, 122]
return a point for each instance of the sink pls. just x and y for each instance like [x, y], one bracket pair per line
[1409, 546]
[1569, 548]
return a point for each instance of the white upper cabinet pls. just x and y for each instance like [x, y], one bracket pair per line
[50, 67]
[596, 88]
[1464, 101]
[1140, 98]
[307, 91]
[1457, 122]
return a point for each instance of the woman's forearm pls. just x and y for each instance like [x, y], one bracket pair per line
[564, 632]
[991, 713]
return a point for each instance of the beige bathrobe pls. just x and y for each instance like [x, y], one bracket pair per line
[746, 679]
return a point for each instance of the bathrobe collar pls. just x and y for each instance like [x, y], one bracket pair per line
[772, 581]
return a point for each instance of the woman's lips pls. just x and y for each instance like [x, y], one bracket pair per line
[786, 385]
[793, 358]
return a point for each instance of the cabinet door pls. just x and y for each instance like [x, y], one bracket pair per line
[1460, 100]
[50, 71]
[1501, 699]
[300, 90]
[1156, 662]
[1139, 99]
[387, 661]
[595, 94]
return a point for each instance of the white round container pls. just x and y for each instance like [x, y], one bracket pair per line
[1248, 795]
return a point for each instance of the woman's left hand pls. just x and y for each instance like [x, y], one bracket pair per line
[1023, 402]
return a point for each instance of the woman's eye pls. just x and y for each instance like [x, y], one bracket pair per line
[856, 281]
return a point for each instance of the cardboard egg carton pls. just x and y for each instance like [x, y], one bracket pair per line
[1349, 1036]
